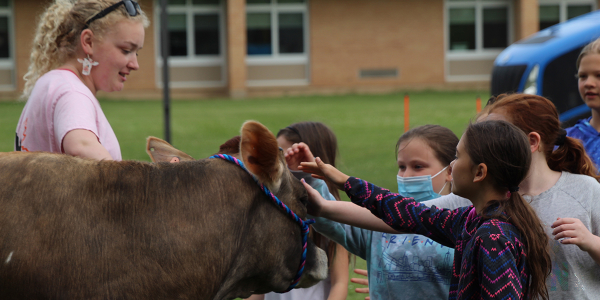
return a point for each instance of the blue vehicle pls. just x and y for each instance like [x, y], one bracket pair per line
[544, 64]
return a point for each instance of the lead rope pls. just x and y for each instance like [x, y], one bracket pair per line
[303, 224]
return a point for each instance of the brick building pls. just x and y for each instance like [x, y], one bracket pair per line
[241, 47]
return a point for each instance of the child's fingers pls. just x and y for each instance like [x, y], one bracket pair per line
[560, 221]
[317, 176]
[361, 272]
[569, 241]
[314, 200]
[563, 228]
[362, 290]
[309, 167]
[308, 188]
[362, 281]
[319, 162]
[308, 156]
[564, 234]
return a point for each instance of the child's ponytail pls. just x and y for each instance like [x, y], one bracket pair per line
[570, 156]
[505, 150]
[524, 217]
[532, 113]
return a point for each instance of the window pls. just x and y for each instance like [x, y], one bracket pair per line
[276, 27]
[495, 28]
[5, 42]
[206, 34]
[195, 28]
[291, 33]
[476, 32]
[7, 64]
[462, 29]
[553, 12]
[259, 33]
[477, 25]
[178, 35]
[549, 15]
[197, 43]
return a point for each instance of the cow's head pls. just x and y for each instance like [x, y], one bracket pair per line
[257, 148]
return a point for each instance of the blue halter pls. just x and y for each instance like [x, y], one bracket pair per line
[303, 224]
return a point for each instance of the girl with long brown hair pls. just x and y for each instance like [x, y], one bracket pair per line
[423, 156]
[501, 250]
[324, 142]
[562, 188]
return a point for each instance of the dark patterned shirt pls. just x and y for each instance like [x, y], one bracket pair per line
[490, 257]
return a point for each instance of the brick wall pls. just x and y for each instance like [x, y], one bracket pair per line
[349, 35]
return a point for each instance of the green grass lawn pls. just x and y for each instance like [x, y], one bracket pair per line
[367, 126]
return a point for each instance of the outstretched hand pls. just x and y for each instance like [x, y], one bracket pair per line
[324, 171]
[315, 200]
[572, 231]
[297, 153]
[361, 281]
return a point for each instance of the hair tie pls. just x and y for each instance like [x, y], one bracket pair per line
[561, 138]
[511, 190]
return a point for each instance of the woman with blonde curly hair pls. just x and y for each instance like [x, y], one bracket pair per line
[80, 47]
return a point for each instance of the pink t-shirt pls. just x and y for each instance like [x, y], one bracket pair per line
[59, 103]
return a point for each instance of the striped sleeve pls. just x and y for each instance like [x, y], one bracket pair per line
[405, 214]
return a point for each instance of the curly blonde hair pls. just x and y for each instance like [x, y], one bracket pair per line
[59, 29]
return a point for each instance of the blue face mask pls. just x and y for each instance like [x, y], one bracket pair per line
[419, 187]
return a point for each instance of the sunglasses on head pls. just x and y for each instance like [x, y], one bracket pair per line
[131, 6]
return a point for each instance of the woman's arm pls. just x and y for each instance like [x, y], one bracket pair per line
[84, 143]
[339, 274]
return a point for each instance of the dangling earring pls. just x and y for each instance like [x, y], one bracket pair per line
[88, 63]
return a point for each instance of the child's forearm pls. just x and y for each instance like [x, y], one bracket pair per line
[339, 274]
[349, 213]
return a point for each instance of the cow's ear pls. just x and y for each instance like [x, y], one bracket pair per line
[161, 151]
[231, 147]
[260, 154]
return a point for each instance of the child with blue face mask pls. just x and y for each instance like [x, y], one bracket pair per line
[423, 158]
[405, 266]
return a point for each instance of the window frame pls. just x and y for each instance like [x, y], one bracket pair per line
[192, 59]
[276, 58]
[9, 62]
[564, 4]
[479, 52]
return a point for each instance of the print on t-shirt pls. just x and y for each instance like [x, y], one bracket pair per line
[412, 257]
[19, 142]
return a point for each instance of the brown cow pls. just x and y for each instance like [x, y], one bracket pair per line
[80, 229]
